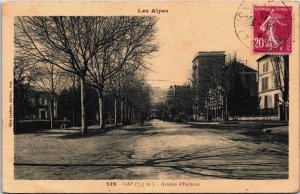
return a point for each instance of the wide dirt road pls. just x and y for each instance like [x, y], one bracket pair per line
[156, 150]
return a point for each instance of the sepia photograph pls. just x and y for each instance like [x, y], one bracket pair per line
[153, 96]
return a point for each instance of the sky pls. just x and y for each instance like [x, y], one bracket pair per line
[188, 29]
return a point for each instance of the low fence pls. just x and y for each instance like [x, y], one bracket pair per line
[246, 115]
[34, 125]
[255, 118]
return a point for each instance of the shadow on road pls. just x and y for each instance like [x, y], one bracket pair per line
[257, 137]
[255, 131]
[75, 133]
[209, 162]
[256, 126]
[135, 129]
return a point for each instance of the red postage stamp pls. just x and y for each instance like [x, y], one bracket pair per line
[272, 29]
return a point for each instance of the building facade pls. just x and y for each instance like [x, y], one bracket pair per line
[248, 76]
[214, 105]
[40, 105]
[207, 81]
[242, 94]
[273, 85]
[178, 102]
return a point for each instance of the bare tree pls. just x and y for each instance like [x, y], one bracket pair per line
[52, 80]
[117, 85]
[280, 66]
[133, 42]
[69, 43]
[22, 80]
[137, 95]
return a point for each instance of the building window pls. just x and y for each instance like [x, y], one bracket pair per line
[42, 114]
[270, 103]
[266, 102]
[45, 101]
[265, 67]
[264, 84]
[32, 100]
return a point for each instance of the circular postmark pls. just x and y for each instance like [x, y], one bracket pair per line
[266, 28]
[243, 20]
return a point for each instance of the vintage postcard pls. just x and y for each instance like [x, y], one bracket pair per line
[150, 97]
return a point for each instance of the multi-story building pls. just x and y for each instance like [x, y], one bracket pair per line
[207, 78]
[241, 89]
[234, 74]
[273, 85]
[248, 76]
[179, 101]
[40, 106]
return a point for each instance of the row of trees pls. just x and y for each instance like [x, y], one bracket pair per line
[127, 109]
[108, 54]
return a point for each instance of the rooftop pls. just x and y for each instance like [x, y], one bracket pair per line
[263, 57]
[241, 66]
[209, 53]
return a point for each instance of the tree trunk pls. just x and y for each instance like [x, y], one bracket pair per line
[82, 101]
[73, 99]
[51, 97]
[51, 107]
[128, 113]
[101, 117]
[207, 113]
[116, 122]
[125, 111]
[122, 111]
[285, 111]
[132, 115]
[73, 116]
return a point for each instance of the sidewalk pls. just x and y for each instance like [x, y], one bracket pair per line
[274, 127]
